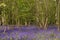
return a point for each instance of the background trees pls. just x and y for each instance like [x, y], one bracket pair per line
[33, 12]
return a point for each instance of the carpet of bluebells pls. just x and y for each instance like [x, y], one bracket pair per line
[29, 33]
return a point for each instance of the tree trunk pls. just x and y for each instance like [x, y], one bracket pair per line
[37, 4]
[25, 23]
[46, 14]
[57, 13]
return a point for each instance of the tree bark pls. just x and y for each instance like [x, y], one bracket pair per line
[57, 13]
[46, 14]
[37, 5]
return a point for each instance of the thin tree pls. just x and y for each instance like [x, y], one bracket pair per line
[37, 5]
[57, 13]
[45, 23]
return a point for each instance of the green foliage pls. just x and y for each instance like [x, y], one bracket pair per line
[21, 11]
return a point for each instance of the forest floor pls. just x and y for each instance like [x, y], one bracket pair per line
[30, 33]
